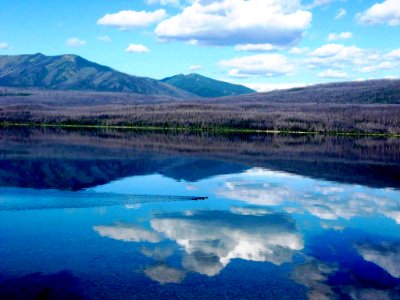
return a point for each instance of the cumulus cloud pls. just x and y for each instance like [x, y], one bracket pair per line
[211, 239]
[386, 12]
[256, 47]
[395, 54]
[340, 14]
[129, 19]
[3, 46]
[267, 87]
[137, 48]
[104, 38]
[268, 65]
[333, 74]
[275, 22]
[385, 65]
[164, 274]
[297, 50]
[339, 36]
[317, 3]
[195, 67]
[75, 42]
[163, 2]
[338, 56]
[127, 233]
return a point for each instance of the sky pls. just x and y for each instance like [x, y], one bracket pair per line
[264, 44]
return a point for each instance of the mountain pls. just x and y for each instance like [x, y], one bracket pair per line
[72, 72]
[206, 87]
[383, 91]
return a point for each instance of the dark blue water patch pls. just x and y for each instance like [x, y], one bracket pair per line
[58, 286]
[359, 262]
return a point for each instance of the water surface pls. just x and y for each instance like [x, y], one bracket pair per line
[110, 215]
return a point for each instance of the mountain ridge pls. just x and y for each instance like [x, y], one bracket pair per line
[72, 72]
[206, 87]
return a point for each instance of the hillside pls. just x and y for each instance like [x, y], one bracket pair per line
[206, 87]
[357, 92]
[71, 72]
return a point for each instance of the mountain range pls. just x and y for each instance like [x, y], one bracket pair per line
[206, 87]
[72, 72]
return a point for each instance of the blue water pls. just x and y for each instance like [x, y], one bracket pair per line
[261, 234]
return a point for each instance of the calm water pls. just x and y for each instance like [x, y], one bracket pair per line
[110, 215]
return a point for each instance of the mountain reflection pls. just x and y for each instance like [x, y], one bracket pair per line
[211, 239]
[72, 160]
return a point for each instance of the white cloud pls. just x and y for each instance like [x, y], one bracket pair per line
[232, 22]
[75, 42]
[386, 12]
[195, 67]
[137, 48]
[385, 65]
[129, 19]
[341, 13]
[163, 2]
[258, 65]
[267, 87]
[128, 233]
[339, 56]
[256, 47]
[3, 46]
[317, 3]
[339, 36]
[298, 51]
[333, 74]
[104, 38]
[395, 54]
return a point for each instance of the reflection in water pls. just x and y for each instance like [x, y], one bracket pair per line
[286, 216]
[211, 239]
[72, 160]
[128, 233]
[327, 201]
[314, 275]
[386, 255]
[328, 281]
[62, 285]
[164, 274]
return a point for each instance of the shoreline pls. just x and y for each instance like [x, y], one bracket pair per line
[195, 129]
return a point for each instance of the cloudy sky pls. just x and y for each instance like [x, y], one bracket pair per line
[261, 43]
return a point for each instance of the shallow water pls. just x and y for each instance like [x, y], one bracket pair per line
[110, 215]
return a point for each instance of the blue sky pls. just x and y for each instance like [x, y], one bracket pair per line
[264, 44]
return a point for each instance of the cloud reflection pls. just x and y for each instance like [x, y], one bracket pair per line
[128, 233]
[327, 201]
[386, 255]
[164, 274]
[211, 239]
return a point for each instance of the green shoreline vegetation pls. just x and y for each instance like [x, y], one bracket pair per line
[199, 129]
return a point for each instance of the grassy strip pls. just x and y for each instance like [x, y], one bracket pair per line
[194, 129]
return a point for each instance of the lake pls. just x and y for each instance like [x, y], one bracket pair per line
[105, 214]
